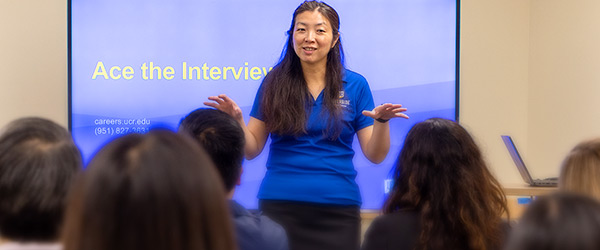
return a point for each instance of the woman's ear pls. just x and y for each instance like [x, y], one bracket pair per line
[337, 38]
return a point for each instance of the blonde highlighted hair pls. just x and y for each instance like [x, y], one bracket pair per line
[580, 171]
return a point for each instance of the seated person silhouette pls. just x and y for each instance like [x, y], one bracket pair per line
[560, 221]
[443, 197]
[38, 161]
[223, 139]
[153, 191]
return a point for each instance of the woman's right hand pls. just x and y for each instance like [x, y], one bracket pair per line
[224, 103]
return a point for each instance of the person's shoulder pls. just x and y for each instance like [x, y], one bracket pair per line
[353, 77]
[273, 233]
[397, 230]
[400, 224]
[244, 220]
[397, 219]
[255, 231]
[260, 222]
[237, 210]
[354, 83]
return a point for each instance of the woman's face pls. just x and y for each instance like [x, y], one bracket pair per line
[313, 38]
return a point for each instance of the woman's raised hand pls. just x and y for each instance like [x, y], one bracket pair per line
[224, 103]
[386, 111]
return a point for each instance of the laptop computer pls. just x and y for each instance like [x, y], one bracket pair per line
[514, 154]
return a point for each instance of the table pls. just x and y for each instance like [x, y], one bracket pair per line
[526, 190]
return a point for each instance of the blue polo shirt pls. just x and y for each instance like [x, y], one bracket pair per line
[311, 167]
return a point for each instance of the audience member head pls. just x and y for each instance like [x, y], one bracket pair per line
[580, 171]
[222, 138]
[38, 160]
[561, 221]
[153, 191]
[441, 173]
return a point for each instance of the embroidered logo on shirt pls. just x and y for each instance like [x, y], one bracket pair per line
[343, 102]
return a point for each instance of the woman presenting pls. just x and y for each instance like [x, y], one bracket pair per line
[311, 107]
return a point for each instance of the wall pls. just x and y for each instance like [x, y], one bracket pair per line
[527, 70]
[564, 81]
[33, 59]
[494, 78]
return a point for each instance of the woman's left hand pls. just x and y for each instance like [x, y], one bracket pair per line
[386, 111]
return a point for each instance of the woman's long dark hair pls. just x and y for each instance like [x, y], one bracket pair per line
[285, 96]
[441, 174]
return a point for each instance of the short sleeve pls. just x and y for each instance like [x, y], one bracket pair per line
[364, 101]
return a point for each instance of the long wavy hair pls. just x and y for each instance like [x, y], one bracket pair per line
[285, 96]
[441, 174]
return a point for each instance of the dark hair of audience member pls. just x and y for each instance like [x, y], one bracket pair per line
[580, 170]
[561, 221]
[38, 160]
[222, 138]
[441, 173]
[153, 191]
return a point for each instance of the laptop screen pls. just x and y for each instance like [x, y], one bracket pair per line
[514, 154]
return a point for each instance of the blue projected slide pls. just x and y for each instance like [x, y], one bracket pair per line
[141, 64]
